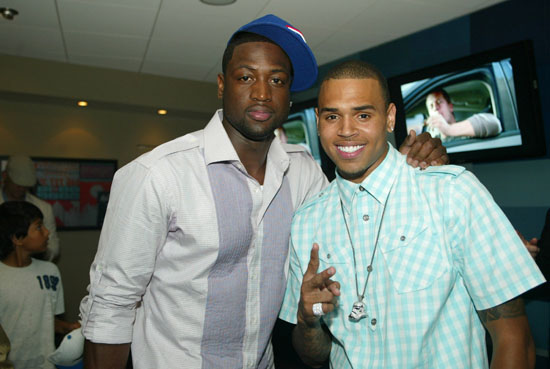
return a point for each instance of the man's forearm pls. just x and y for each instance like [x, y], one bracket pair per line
[312, 343]
[513, 345]
[463, 128]
[105, 356]
[513, 356]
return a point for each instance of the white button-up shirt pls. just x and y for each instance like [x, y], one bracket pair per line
[191, 265]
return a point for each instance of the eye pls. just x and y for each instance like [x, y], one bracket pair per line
[331, 117]
[364, 116]
[245, 78]
[278, 81]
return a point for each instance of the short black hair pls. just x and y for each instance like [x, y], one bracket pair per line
[242, 38]
[358, 69]
[446, 96]
[15, 220]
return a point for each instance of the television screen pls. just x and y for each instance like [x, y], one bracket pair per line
[483, 107]
[301, 129]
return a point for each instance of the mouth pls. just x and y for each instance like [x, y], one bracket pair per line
[349, 151]
[259, 114]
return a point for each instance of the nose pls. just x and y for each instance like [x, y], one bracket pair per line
[346, 128]
[46, 231]
[261, 91]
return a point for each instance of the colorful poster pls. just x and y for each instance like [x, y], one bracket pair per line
[77, 189]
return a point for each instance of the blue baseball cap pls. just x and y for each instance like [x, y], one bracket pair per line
[293, 42]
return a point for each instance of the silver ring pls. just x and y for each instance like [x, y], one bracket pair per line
[318, 309]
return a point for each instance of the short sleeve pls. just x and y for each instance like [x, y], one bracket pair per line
[485, 125]
[494, 263]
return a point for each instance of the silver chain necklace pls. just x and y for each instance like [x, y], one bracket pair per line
[358, 311]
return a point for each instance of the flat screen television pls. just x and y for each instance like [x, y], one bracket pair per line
[495, 92]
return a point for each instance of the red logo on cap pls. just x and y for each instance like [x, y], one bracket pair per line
[297, 31]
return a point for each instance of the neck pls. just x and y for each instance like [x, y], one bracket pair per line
[370, 169]
[253, 154]
[18, 259]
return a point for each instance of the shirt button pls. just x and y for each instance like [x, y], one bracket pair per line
[403, 238]
[328, 256]
[373, 321]
[366, 218]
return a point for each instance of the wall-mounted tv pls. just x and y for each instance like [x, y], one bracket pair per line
[484, 107]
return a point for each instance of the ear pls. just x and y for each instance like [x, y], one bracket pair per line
[221, 83]
[317, 120]
[17, 241]
[390, 117]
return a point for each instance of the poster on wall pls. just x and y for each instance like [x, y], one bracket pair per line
[77, 189]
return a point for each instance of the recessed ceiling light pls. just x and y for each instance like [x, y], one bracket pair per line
[162, 112]
[82, 103]
[8, 13]
[218, 2]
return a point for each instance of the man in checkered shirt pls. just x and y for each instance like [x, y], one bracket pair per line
[424, 259]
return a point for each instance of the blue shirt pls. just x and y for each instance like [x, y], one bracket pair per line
[445, 250]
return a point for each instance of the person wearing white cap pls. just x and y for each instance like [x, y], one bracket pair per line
[191, 262]
[18, 178]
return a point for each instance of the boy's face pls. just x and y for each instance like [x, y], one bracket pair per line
[36, 240]
[352, 120]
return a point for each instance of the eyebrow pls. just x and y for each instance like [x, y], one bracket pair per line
[356, 108]
[276, 70]
[364, 107]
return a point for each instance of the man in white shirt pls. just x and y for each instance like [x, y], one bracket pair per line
[192, 260]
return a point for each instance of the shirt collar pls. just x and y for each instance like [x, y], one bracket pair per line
[218, 146]
[377, 184]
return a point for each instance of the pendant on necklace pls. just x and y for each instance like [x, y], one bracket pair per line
[358, 311]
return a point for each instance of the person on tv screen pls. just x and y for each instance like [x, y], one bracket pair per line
[442, 123]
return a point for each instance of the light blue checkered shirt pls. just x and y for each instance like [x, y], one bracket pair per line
[445, 250]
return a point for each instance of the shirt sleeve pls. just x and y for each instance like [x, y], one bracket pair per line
[494, 263]
[136, 226]
[485, 125]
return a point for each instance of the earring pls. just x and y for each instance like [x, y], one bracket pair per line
[290, 104]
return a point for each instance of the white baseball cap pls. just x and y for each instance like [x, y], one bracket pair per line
[71, 349]
[21, 170]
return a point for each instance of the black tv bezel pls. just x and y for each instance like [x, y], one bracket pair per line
[527, 97]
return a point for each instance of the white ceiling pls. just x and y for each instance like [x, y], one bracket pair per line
[186, 38]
